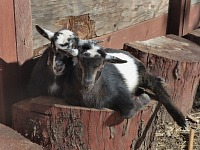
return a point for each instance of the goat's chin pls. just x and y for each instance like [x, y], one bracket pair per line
[88, 88]
[58, 73]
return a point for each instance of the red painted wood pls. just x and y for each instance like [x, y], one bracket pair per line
[142, 31]
[59, 126]
[8, 56]
[23, 24]
[194, 17]
[7, 30]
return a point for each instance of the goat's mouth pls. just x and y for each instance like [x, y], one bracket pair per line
[87, 87]
[58, 71]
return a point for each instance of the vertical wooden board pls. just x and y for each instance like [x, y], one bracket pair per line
[23, 21]
[194, 18]
[2, 109]
[8, 60]
[178, 17]
[186, 17]
[7, 30]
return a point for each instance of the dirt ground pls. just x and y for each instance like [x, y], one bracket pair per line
[170, 136]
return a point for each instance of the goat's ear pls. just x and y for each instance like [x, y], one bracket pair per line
[113, 59]
[45, 33]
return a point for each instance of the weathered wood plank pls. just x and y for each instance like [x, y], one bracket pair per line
[148, 29]
[11, 140]
[23, 26]
[194, 18]
[7, 55]
[7, 30]
[50, 122]
[108, 16]
[194, 36]
[178, 16]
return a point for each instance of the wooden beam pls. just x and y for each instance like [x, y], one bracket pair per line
[178, 17]
[142, 31]
[194, 17]
[23, 25]
[7, 53]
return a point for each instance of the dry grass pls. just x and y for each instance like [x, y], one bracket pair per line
[170, 136]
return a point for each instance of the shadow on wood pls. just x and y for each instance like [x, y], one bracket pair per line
[13, 79]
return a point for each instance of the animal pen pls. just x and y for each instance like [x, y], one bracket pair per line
[163, 34]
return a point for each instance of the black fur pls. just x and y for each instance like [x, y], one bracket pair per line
[154, 83]
[42, 76]
[109, 91]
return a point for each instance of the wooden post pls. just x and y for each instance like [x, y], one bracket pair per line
[177, 61]
[15, 49]
[7, 55]
[191, 139]
[54, 125]
[178, 17]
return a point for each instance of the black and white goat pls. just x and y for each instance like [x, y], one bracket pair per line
[103, 78]
[47, 76]
[107, 78]
[50, 71]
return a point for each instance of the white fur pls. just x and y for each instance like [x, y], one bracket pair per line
[49, 33]
[129, 70]
[53, 88]
[63, 38]
[93, 50]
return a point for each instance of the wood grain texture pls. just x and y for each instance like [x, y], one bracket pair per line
[194, 17]
[7, 55]
[178, 17]
[23, 26]
[142, 31]
[7, 30]
[50, 122]
[174, 59]
[108, 16]
[194, 36]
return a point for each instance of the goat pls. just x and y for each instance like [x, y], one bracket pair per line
[51, 69]
[108, 78]
[48, 74]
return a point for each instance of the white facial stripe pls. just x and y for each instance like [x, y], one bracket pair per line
[93, 51]
[129, 70]
[54, 60]
[64, 36]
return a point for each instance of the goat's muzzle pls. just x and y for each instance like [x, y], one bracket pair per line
[87, 84]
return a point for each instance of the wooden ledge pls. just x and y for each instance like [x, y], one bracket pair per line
[11, 140]
[194, 36]
[51, 123]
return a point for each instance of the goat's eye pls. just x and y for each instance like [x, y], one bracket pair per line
[65, 44]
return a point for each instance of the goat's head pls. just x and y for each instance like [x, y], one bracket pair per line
[91, 61]
[63, 41]
[57, 63]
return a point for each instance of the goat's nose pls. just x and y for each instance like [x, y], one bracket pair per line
[88, 82]
[59, 63]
